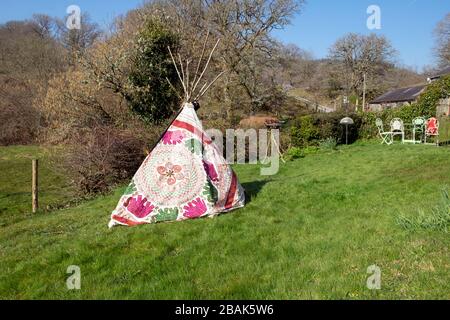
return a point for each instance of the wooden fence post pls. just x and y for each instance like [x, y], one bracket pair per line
[34, 186]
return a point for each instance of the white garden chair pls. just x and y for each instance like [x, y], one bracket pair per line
[397, 128]
[386, 136]
[418, 128]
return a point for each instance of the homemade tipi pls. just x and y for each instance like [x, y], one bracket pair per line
[184, 176]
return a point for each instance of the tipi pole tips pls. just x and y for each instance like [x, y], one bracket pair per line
[206, 65]
[176, 68]
[173, 88]
[189, 87]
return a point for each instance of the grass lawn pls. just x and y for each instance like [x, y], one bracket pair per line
[311, 231]
[15, 182]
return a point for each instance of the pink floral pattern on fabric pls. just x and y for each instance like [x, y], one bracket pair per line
[170, 173]
[173, 137]
[139, 206]
[195, 208]
[184, 177]
[210, 171]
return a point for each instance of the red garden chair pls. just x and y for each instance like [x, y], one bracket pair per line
[432, 129]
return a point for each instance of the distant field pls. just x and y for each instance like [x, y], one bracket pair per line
[311, 231]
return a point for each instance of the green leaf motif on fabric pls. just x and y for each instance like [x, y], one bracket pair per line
[210, 192]
[194, 145]
[131, 188]
[167, 214]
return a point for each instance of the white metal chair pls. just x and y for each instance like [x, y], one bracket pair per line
[397, 128]
[432, 129]
[386, 136]
[418, 128]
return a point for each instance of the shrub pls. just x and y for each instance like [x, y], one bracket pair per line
[102, 158]
[285, 140]
[18, 124]
[295, 153]
[19, 120]
[310, 130]
[73, 102]
[329, 143]
[310, 150]
[368, 129]
[304, 132]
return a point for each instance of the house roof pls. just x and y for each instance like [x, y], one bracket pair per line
[441, 73]
[400, 95]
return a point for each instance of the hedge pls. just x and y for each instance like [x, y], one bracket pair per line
[310, 130]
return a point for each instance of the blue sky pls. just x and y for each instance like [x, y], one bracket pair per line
[408, 24]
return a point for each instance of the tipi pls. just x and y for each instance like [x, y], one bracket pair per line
[183, 177]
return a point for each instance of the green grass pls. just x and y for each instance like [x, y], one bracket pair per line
[444, 130]
[436, 218]
[310, 231]
[15, 182]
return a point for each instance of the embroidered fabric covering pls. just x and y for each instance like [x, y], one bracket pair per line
[183, 177]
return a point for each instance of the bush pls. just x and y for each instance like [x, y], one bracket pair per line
[329, 143]
[19, 120]
[295, 153]
[285, 140]
[304, 131]
[72, 102]
[368, 130]
[102, 158]
[310, 130]
[18, 124]
[310, 150]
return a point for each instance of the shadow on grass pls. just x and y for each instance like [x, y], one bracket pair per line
[253, 188]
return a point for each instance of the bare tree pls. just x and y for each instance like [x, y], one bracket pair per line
[248, 49]
[43, 25]
[298, 66]
[354, 55]
[78, 40]
[247, 52]
[442, 35]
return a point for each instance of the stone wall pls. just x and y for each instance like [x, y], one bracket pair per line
[443, 108]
